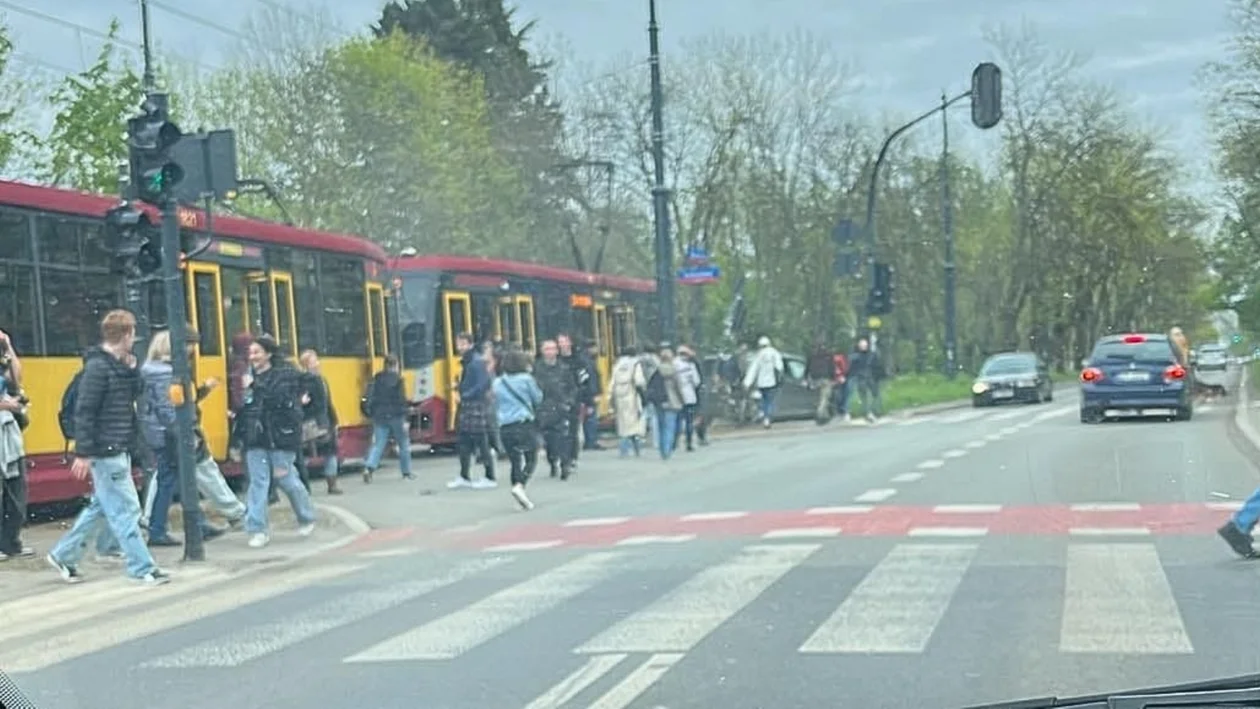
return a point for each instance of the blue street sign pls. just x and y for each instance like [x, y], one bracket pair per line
[697, 255]
[699, 275]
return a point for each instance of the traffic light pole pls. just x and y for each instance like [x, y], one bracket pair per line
[185, 417]
[947, 226]
[872, 192]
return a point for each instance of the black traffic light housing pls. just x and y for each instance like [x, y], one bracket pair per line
[986, 95]
[151, 137]
[134, 245]
[882, 297]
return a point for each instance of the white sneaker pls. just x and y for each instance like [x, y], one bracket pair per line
[485, 484]
[258, 541]
[458, 483]
[518, 491]
[306, 530]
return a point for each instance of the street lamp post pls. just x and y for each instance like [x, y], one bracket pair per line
[660, 193]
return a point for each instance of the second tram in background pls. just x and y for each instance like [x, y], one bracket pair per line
[521, 303]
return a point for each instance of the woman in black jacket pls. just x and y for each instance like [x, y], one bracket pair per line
[270, 428]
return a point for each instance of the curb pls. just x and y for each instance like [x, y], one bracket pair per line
[1241, 423]
[359, 528]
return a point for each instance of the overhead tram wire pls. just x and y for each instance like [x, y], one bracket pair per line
[122, 42]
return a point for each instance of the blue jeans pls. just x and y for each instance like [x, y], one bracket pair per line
[261, 466]
[666, 431]
[767, 403]
[115, 500]
[381, 433]
[1246, 518]
[590, 427]
[167, 481]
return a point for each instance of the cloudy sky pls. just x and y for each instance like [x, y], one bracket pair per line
[906, 50]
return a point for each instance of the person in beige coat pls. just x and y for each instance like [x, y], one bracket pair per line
[626, 395]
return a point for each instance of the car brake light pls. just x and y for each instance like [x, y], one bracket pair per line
[1134, 339]
[1091, 374]
[1174, 372]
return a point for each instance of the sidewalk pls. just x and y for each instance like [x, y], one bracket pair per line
[226, 556]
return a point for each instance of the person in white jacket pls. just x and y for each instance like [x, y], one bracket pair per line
[765, 376]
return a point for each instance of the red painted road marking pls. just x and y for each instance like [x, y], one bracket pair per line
[885, 520]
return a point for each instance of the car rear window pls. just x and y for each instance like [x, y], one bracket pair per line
[1009, 365]
[1155, 351]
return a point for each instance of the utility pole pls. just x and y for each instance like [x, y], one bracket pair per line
[153, 177]
[947, 226]
[660, 193]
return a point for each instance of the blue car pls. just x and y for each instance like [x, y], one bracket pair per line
[1132, 376]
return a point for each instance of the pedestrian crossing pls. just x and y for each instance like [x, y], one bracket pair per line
[1017, 414]
[625, 617]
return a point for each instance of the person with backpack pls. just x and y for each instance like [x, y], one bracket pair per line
[104, 427]
[664, 393]
[559, 387]
[270, 423]
[517, 398]
[386, 405]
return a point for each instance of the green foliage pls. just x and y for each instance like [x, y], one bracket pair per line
[375, 137]
[84, 146]
[924, 389]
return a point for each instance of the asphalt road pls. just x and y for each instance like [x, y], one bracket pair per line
[965, 557]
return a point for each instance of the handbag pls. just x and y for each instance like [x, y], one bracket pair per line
[312, 431]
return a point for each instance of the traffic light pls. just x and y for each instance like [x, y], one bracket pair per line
[133, 243]
[882, 297]
[150, 137]
[986, 95]
[1237, 338]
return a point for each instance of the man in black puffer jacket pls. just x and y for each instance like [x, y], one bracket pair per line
[105, 428]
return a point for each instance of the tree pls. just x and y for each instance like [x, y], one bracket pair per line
[377, 137]
[13, 138]
[83, 146]
[479, 36]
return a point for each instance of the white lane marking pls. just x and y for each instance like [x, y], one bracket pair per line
[907, 478]
[976, 444]
[452, 635]
[1110, 531]
[53, 648]
[1007, 415]
[1117, 599]
[840, 510]
[914, 421]
[955, 453]
[877, 495]
[1009, 430]
[897, 607]
[77, 604]
[1053, 413]
[967, 509]
[948, 531]
[525, 546]
[686, 615]
[388, 553]
[963, 417]
[637, 682]
[1106, 507]
[643, 539]
[1220, 506]
[247, 644]
[802, 533]
[993, 437]
[712, 516]
[566, 689]
[596, 522]
[930, 464]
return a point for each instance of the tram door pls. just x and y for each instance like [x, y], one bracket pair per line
[205, 297]
[457, 309]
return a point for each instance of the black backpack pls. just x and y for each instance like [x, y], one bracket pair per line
[65, 415]
[655, 392]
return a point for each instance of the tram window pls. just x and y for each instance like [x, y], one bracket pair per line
[211, 344]
[235, 320]
[15, 236]
[379, 343]
[17, 308]
[307, 301]
[74, 303]
[58, 240]
[345, 313]
[415, 353]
